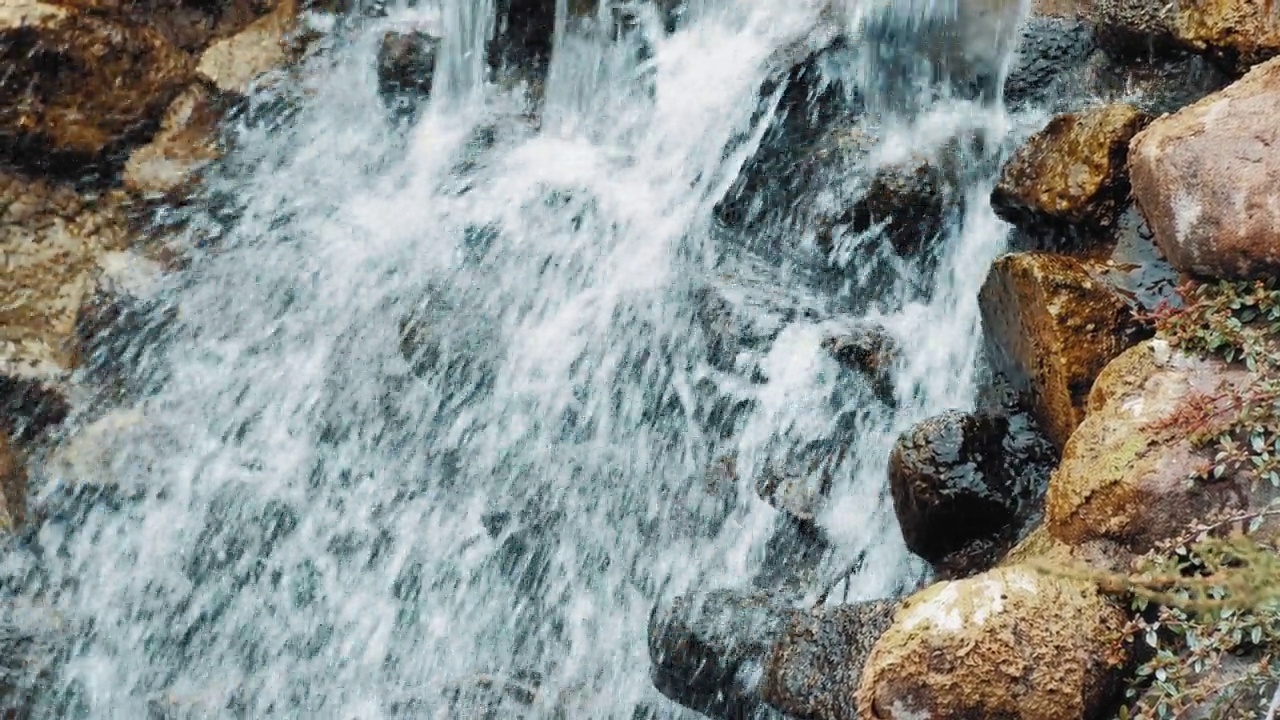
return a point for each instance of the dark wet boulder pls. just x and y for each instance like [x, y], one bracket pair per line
[813, 671]
[1051, 61]
[406, 62]
[708, 650]
[964, 485]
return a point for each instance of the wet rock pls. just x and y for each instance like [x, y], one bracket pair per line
[1011, 643]
[78, 84]
[1155, 85]
[1205, 178]
[234, 63]
[13, 485]
[1050, 328]
[812, 672]
[1051, 61]
[186, 142]
[708, 650]
[1242, 32]
[870, 351]
[960, 483]
[406, 63]
[53, 240]
[798, 496]
[1071, 172]
[1127, 474]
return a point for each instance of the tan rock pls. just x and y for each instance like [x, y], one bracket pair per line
[51, 241]
[1206, 179]
[186, 142]
[1126, 474]
[78, 83]
[233, 63]
[1012, 643]
[1073, 170]
[1051, 328]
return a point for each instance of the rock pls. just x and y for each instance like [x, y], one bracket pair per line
[79, 84]
[52, 240]
[186, 142]
[708, 650]
[188, 24]
[1051, 60]
[13, 485]
[1241, 31]
[961, 481]
[406, 63]
[1205, 178]
[907, 201]
[1073, 171]
[1127, 473]
[233, 63]
[870, 351]
[812, 672]
[1155, 85]
[1012, 643]
[1050, 328]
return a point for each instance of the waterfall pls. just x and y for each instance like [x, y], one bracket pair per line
[428, 424]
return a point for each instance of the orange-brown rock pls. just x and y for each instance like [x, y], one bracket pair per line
[52, 241]
[1012, 643]
[1126, 475]
[233, 63]
[1206, 179]
[186, 142]
[1245, 31]
[1074, 170]
[13, 485]
[188, 24]
[76, 82]
[1051, 328]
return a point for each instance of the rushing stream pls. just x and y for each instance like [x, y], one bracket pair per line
[430, 422]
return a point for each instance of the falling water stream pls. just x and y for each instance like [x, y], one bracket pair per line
[425, 427]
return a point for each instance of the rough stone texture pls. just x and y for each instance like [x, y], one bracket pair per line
[1012, 643]
[870, 351]
[812, 672]
[1206, 179]
[965, 486]
[1243, 31]
[186, 142]
[188, 24]
[406, 62]
[13, 485]
[1051, 60]
[708, 650]
[1125, 474]
[1071, 171]
[1051, 328]
[77, 83]
[233, 63]
[52, 241]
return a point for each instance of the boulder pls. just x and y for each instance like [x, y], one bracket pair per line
[79, 84]
[1205, 178]
[1012, 643]
[233, 63]
[186, 142]
[188, 24]
[1052, 58]
[13, 485]
[708, 650]
[53, 240]
[812, 672]
[1127, 474]
[1071, 172]
[1050, 328]
[960, 481]
[406, 62]
[870, 351]
[1242, 32]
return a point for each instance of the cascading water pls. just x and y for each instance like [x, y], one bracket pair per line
[425, 429]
